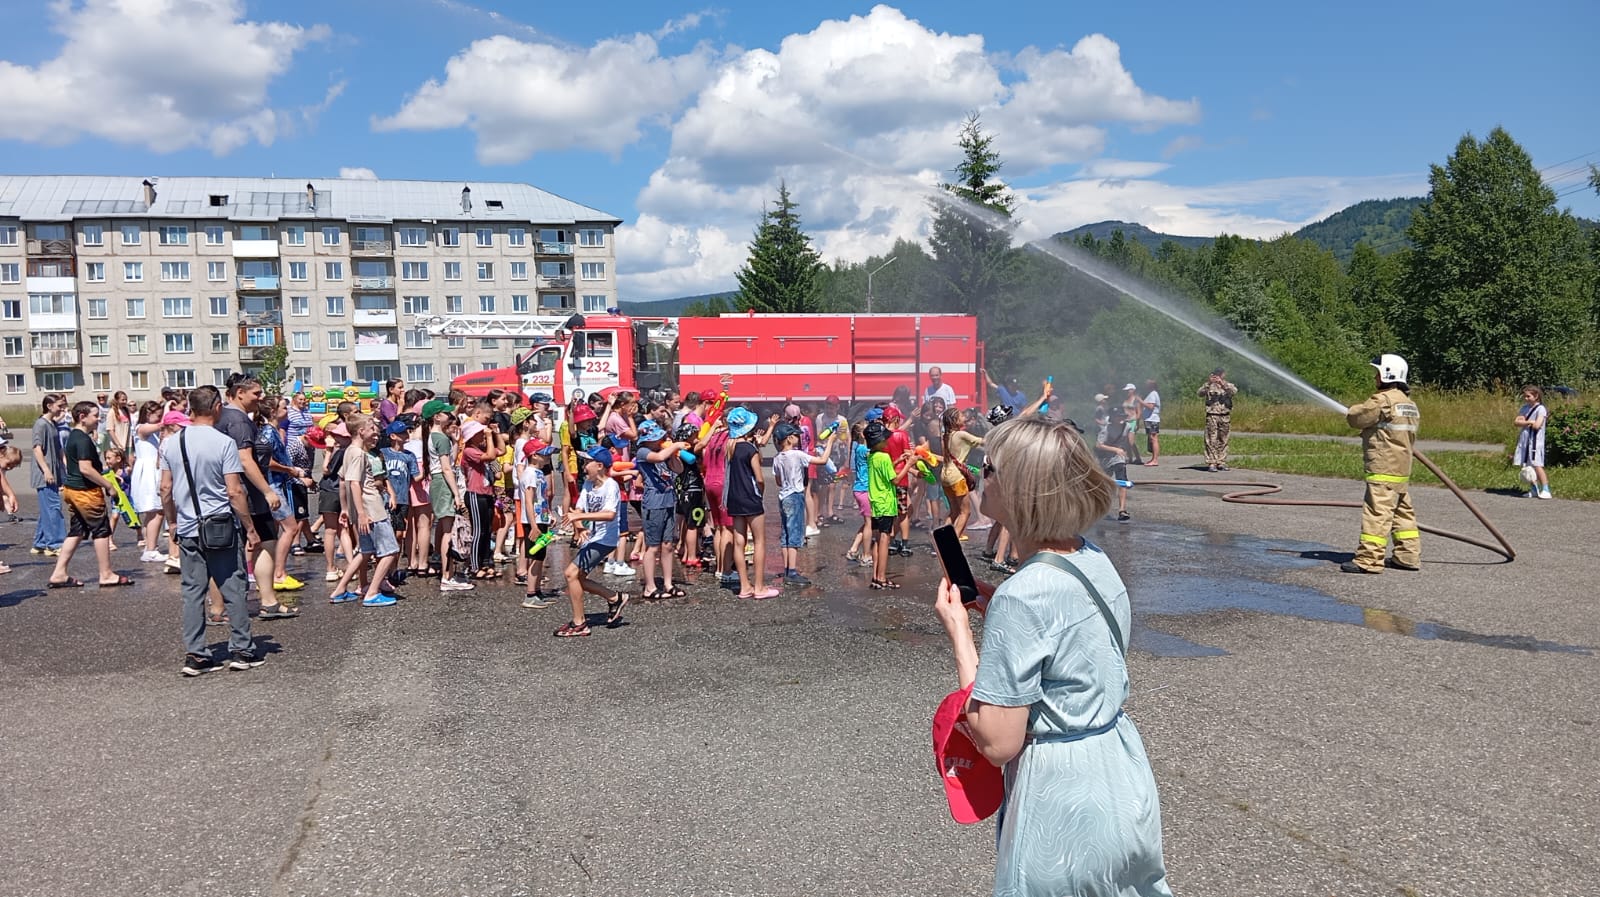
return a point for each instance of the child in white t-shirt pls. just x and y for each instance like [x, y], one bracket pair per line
[789, 468]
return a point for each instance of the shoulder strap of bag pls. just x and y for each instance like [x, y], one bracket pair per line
[194, 494]
[1066, 566]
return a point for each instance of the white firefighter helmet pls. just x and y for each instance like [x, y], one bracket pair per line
[1391, 368]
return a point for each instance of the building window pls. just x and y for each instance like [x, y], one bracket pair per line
[178, 343]
[299, 306]
[133, 272]
[180, 378]
[259, 337]
[130, 234]
[452, 270]
[98, 309]
[330, 236]
[8, 235]
[173, 235]
[486, 270]
[457, 369]
[13, 347]
[135, 309]
[555, 300]
[138, 379]
[56, 381]
[519, 303]
[11, 272]
[485, 236]
[138, 344]
[297, 271]
[99, 344]
[593, 270]
[419, 373]
[413, 270]
[216, 271]
[220, 342]
[93, 235]
[16, 384]
[333, 271]
[489, 344]
[219, 377]
[413, 236]
[219, 306]
[94, 272]
[516, 236]
[338, 339]
[519, 270]
[256, 231]
[486, 305]
[294, 235]
[414, 305]
[177, 307]
[174, 271]
[214, 235]
[594, 303]
[100, 380]
[591, 237]
[11, 309]
[452, 305]
[455, 342]
[338, 373]
[300, 340]
[54, 339]
[335, 306]
[418, 339]
[449, 236]
[52, 304]
[302, 374]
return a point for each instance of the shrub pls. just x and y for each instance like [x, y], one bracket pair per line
[1572, 435]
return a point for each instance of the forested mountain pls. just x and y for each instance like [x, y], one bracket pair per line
[1381, 223]
[1152, 239]
[667, 308]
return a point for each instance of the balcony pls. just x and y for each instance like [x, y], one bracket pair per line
[61, 268]
[53, 248]
[376, 350]
[556, 282]
[555, 248]
[255, 249]
[55, 358]
[261, 318]
[259, 283]
[372, 247]
[47, 284]
[372, 282]
[375, 317]
[254, 353]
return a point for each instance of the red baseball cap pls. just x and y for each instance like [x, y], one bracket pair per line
[973, 786]
[892, 412]
[708, 395]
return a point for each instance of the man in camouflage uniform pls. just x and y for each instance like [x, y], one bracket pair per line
[1217, 394]
[1388, 422]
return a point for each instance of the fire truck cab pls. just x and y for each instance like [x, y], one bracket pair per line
[576, 353]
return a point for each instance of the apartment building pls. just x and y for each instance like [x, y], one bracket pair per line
[111, 283]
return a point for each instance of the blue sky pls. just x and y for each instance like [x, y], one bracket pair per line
[1190, 118]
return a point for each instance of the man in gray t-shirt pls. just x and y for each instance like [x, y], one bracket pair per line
[210, 484]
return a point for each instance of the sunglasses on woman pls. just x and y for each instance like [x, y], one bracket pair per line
[988, 470]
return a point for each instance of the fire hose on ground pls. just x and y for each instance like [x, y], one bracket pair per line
[1256, 492]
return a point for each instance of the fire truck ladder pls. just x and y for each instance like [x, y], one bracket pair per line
[661, 331]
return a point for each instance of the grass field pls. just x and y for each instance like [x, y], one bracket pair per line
[1472, 471]
[1453, 416]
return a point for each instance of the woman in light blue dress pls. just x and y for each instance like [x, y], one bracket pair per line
[1081, 816]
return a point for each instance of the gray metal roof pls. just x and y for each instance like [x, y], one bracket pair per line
[63, 197]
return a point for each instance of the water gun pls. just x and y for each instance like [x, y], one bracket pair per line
[927, 462]
[539, 544]
[827, 432]
[124, 507]
[1126, 484]
[1045, 408]
[712, 415]
[686, 456]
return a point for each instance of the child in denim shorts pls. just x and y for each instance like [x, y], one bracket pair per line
[789, 467]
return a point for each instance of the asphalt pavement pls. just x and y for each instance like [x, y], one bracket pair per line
[1312, 733]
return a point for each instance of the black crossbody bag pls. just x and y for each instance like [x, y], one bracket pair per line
[219, 532]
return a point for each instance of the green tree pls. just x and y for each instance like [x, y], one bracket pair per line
[274, 369]
[782, 270]
[1494, 290]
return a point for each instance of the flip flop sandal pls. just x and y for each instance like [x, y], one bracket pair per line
[616, 607]
[675, 592]
[216, 619]
[68, 583]
[119, 581]
[654, 596]
[279, 612]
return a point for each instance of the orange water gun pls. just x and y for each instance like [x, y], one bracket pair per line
[927, 462]
[717, 408]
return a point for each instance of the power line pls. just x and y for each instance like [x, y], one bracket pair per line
[1573, 159]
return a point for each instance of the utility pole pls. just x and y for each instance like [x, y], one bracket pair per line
[869, 281]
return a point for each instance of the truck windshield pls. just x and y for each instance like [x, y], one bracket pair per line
[545, 358]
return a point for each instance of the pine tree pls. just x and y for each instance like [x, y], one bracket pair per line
[1495, 287]
[971, 240]
[781, 273]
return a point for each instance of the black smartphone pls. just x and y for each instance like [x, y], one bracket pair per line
[954, 561]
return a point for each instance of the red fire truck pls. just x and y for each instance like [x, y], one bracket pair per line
[771, 359]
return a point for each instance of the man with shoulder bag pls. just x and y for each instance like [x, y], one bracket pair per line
[203, 497]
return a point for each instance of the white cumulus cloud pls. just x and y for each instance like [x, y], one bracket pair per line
[522, 97]
[358, 174]
[164, 74]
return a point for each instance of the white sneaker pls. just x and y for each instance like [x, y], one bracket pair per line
[332, 576]
[455, 585]
[153, 557]
[1545, 493]
[621, 569]
[813, 531]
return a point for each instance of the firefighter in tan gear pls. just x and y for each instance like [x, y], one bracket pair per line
[1388, 423]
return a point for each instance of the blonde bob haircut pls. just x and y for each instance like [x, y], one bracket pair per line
[1047, 480]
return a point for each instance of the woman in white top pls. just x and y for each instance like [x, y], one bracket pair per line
[144, 485]
[1530, 441]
